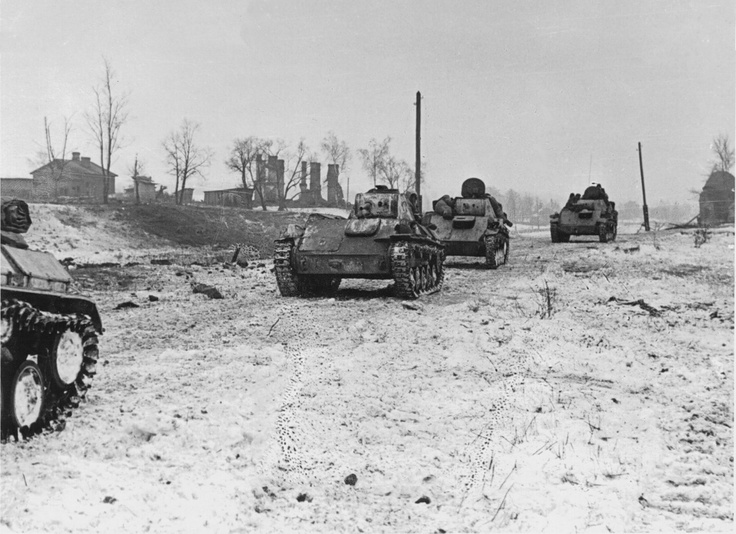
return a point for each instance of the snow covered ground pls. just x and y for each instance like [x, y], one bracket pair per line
[581, 387]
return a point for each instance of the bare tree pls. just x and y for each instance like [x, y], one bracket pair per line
[338, 153]
[397, 174]
[243, 154]
[108, 115]
[135, 173]
[56, 160]
[184, 158]
[408, 179]
[724, 154]
[512, 203]
[292, 172]
[243, 158]
[526, 207]
[374, 157]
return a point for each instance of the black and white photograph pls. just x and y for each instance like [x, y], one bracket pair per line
[411, 266]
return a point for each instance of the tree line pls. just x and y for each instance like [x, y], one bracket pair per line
[186, 158]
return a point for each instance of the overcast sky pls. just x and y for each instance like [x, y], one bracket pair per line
[539, 96]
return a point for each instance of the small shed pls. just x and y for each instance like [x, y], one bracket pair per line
[238, 197]
[717, 199]
[186, 195]
[146, 189]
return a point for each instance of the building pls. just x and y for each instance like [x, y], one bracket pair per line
[21, 188]
[238, 197]
[77, 178]
[146, 189]
[717, 199]
[311, 195]
[186, 195]
[270, 175]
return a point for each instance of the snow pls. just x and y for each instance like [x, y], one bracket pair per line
[540, 397]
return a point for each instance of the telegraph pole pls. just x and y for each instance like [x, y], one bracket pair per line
[418, 164]
[644, 193]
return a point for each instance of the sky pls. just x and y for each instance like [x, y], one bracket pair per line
[540, 97]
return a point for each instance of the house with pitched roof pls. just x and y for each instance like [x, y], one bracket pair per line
[78, 178]
[717, 199]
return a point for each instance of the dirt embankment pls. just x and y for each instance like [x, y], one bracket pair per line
[104, 234]
[582, 387]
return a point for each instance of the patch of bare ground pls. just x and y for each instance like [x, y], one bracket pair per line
[543, 396]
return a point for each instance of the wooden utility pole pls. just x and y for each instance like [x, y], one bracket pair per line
[644, 193]
[418, 164]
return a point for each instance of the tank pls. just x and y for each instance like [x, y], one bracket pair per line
[473, 224]
[382, 239]
[49, 335]
[592, 214]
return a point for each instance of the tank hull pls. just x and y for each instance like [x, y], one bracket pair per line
[585, 217]
[383, 242]
[471, 225]
[463, 237]
[327, 249]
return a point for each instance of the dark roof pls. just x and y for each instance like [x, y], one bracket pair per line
[143, 180]
[720, 180]
[231, 190]
[75, 166]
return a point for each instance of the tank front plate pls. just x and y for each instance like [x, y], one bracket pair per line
[346, 266]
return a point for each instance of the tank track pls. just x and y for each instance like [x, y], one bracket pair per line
[29, 322]
[495, 244]
[291, 284]
[554, 233]
[426, 278]
[288, 281]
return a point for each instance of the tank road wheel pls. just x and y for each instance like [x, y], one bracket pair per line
[65, 359]
[6, 329]
[70, 366]
[26, 399]
[495, 251]
[289, 282]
